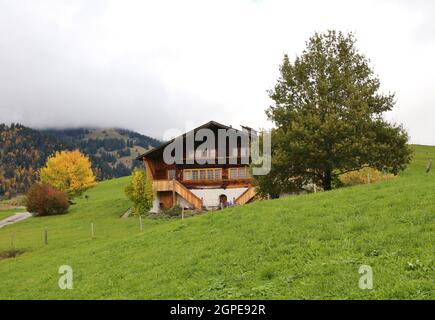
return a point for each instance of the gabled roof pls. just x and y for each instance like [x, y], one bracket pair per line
[209, 124]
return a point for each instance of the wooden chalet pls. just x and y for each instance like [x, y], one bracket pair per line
[198, 186]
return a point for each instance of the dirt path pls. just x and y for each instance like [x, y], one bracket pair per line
[15, 218]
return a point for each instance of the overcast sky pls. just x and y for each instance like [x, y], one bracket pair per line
[154, 65]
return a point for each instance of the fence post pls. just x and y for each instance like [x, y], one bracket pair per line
[140, 222]
[45, 235]
[182, 213]
[429, 166]
[92, 230]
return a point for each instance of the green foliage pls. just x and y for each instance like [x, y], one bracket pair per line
[175, 211]
[44, 200]
[140, 191]
[328, 114]
[305, 247]
[277, 181]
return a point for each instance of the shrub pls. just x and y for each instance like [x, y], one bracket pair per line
[362, 177]
[43, 200]
[175, 211]
[18, 201]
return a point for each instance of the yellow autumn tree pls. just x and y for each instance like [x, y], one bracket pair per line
[69, 171]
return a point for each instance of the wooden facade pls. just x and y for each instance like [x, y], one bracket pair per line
[173, 180]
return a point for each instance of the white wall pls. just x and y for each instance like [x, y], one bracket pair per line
[156, 204]
[211, 196]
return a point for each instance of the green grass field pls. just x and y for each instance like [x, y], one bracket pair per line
[9, 212]
[305, 247]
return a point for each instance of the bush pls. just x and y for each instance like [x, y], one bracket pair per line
[18, 201]
[43, 200]
[175, 211]
[362, 176]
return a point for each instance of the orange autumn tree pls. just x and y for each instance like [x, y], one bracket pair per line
[69, 171]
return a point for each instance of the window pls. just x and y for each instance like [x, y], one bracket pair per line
[233, 173]
[194, 174]
[239, 173]
[202, 174]
[242, 173]
[210, 174]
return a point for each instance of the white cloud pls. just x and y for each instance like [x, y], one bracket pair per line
[151, 65]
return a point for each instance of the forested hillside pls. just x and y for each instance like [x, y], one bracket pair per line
[24, 150]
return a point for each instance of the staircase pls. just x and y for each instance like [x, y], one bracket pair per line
[174, 185]
[246, 196]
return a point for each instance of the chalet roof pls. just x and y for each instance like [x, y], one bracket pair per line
[210, 124]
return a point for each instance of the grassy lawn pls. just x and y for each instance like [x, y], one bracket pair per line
[10, 212]
[304, 247]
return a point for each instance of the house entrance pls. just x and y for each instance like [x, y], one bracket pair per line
[223, 201]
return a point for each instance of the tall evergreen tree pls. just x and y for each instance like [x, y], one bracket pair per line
[328, 112]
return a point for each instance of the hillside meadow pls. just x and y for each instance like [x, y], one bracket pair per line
[305, 247]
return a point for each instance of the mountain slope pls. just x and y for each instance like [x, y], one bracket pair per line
[23, 151]
[112, 151]
[304, 247]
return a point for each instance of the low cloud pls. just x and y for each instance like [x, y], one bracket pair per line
[154, 65]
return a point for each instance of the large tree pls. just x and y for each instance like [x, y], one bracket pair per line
[328, 111]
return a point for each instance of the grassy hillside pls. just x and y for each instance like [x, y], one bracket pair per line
[303, 247]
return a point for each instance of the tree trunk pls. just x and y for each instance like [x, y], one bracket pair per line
[327, 180]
